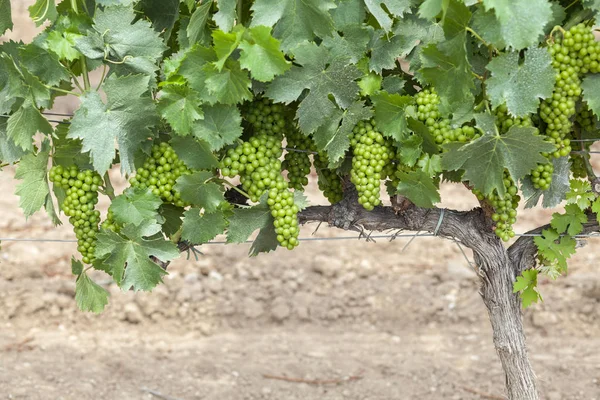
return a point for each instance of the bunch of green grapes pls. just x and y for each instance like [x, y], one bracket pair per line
[428, 112]
[577, 53]
[505, 207]
[297, 163]
[504, 121]
[79, 205]
[587, 122]
[160, 172]
[371, 155]
[329, 181]
[256, 162]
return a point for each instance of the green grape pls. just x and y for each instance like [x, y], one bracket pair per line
[256, 162]
[587, 122]
[371, 154]
[504, 121]
[505, 207]
[329, 181]
[160, 173]
[297, 163]
[81, 189]
[440, 128]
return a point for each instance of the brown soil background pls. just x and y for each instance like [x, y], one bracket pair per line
[382, 323]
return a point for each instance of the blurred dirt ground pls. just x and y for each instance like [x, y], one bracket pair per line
[365, 320]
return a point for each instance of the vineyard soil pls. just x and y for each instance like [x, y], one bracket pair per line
[411, 325]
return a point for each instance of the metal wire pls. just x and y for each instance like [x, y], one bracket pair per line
[306, 239]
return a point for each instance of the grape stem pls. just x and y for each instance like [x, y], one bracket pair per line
[109, 190]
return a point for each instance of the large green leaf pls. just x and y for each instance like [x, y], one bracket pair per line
[34, 191]
[333, 137]
[390, 114]
[521, 85]
[5, 16]
[591, 92]
[295, 21]
[198, 190]
[395, 7]
[221, 126]
[484, 159]
[115, 251]
[522, 21]
[180, 107]
[419, 188]
[202, 228]
[127, 118]
[323, 77]
[24, 124]
[260, 54]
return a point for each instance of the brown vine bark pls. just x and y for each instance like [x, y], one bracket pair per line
[497, 269]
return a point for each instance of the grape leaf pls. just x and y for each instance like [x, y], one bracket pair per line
[521, 85]
[197, 190]
[488, 27]
[89, 296]
[580, 194]
[570, 222]
[591, 92]
[127, 117]
[390, 114]
[115, 251]
[162, 13]
[348, 12]
[226, 15]
[115, 2]
[370, 84]
[43, 10]
[260, 55]
[180, 107]
[323, 77]
[352, 46]
[11, 85]
[419, 188]
[63, 45]
[225, 44]
[5, 16]
[448, 62]
[526, 284]
[34, 189]
[138, 207]
[555, 248]
[295, 21]
[244, 221]
[197, 29]
[9, 151]
[193, 66]
[522, 21]
[430, 164]
[172, 215]
[333, 136]
[265, 241]
[221, 126]
[556, 193]
[393, 84]
[230, 85]
[407, 34]
[24, 124]
[196, 154]
[43, 64]
[395, 7]
[431, 8]
[114, 36]
[199, 229]
[485, 159]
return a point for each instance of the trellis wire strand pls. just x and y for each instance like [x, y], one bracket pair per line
[306, 239]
